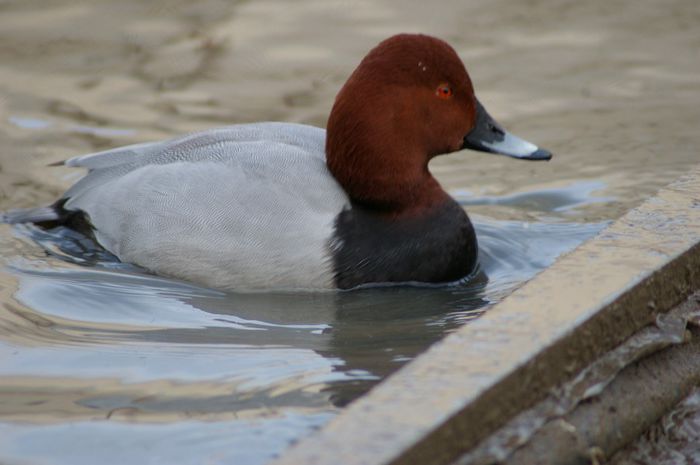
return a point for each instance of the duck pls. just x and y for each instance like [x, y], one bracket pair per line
[276, 206]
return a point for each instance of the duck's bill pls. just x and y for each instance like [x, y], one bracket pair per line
[489, 136]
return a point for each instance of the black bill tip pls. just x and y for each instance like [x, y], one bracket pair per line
[540, 154]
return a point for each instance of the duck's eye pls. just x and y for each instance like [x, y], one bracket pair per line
[444, 91]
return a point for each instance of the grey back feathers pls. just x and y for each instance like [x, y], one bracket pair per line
[245, 207]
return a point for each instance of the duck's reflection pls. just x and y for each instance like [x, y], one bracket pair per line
[333, 345]
[367, 333]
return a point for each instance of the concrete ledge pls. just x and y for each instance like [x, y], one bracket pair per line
[471, 383]
[638, 397]
[607, 404]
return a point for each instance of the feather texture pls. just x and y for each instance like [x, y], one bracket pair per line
[246, 207]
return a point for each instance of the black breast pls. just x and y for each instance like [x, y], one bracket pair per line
[439, 246]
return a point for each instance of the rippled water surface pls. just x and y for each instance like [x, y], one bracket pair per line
[103, 363]
[132, 366]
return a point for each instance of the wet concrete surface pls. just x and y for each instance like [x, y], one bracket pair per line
[674, 440]
[608, 404]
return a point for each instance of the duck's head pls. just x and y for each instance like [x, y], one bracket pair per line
[409, 100]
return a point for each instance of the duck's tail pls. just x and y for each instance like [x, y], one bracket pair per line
[32, 215]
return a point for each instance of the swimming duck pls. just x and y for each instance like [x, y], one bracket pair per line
[281, 206]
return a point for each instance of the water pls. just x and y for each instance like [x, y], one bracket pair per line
[102, 363]
[139, 368]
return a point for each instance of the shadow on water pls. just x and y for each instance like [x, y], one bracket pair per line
[98, 345]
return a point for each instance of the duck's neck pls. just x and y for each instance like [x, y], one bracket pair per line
[391, 177]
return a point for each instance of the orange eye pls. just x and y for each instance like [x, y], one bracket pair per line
[444, 91]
